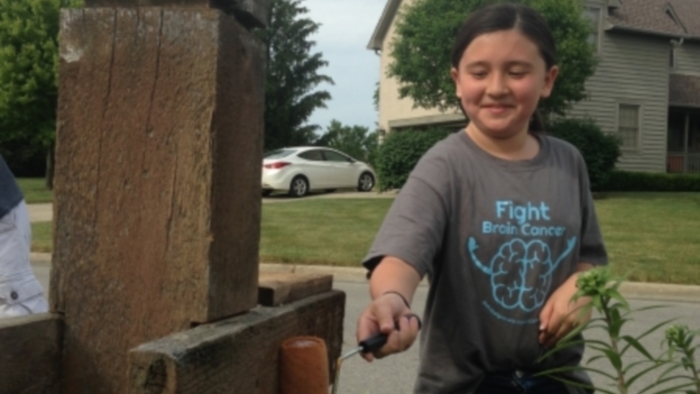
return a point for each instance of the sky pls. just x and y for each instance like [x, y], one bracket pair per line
[346, 28]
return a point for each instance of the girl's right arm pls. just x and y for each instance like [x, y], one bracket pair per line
[392, 285]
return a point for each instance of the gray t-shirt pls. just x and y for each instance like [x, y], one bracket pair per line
[496, 238]
[10, 193]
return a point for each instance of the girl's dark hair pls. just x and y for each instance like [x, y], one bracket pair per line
[506, 16]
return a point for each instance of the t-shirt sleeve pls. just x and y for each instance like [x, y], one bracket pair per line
[414, 226]
[592, 246]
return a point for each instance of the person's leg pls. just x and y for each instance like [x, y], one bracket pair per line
[498, 384]
[36, 303]
[520, 382]
[540, 384]
[20, 291]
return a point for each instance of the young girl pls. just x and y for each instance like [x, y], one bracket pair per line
[499, 217]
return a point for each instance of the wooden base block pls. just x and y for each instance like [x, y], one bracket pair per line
[275, 289]
[30, 354]
[238, 355]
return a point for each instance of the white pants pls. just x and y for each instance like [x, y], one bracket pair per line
[20, 291]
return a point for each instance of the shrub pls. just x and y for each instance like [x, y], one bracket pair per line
[400, 152]
[599, 150]
[628, 181]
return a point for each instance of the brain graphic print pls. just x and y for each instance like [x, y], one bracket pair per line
[520, 272]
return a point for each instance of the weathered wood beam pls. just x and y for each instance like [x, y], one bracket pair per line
[237, 355]
[30, 354]
[157, 189]
[251, 13]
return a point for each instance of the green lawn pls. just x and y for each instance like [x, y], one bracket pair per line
[42, 241]
[658, 234]
[34, 190]
[328, 232]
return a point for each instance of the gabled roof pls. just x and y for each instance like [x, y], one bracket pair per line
[676, 18]
[387, 18]
[673, 18]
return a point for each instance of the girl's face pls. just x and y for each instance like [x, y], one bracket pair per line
[500, 80]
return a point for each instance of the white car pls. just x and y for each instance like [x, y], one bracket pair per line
[300, 170]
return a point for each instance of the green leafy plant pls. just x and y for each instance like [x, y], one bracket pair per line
[628, 181]
[680, 341]
[600, 150]
[614, 312]
[399, 153]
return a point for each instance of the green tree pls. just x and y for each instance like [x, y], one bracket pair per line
[427, 22]
[292, 76]
[28, 70]
[355, 141]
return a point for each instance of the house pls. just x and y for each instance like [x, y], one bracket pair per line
[646, 88]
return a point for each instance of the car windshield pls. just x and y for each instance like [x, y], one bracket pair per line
[278, 154]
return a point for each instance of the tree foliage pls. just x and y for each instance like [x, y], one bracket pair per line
[28, 65]
[291, 94]
[355, 141]
[422, 66]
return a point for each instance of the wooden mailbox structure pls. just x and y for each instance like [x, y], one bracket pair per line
[155, 278]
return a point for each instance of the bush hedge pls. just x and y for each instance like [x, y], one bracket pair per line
[628, 181]
[399, 153]
[600, 150]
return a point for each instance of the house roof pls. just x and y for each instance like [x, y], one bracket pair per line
[380, 31]
[684, 90]
[674, 18]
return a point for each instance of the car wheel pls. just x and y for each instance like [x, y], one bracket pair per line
[266, 193]
[366, 182]
[299, 187]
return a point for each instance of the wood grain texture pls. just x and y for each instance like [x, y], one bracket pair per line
[30, 354]
[237, 355]
[250, 13]
[157, 188]
[275, 289]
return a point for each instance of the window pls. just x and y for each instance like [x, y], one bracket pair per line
[278, 154]
[628, 125]
[313, 155]
[593, 15]
[334, 156]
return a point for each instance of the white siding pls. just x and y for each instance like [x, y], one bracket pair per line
[688, 58]
[633, 69]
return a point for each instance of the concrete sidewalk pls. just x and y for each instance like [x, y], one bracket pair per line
[632, 290]
[40, 212]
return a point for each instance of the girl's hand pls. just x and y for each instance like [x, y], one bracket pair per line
[380, 316]
[560, 314]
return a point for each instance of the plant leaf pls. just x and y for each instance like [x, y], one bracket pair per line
[634, 343]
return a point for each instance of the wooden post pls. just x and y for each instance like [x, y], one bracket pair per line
[157, 207]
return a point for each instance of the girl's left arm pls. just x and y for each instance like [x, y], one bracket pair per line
[560, 314]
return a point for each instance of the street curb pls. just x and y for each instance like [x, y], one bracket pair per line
[635, 290]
